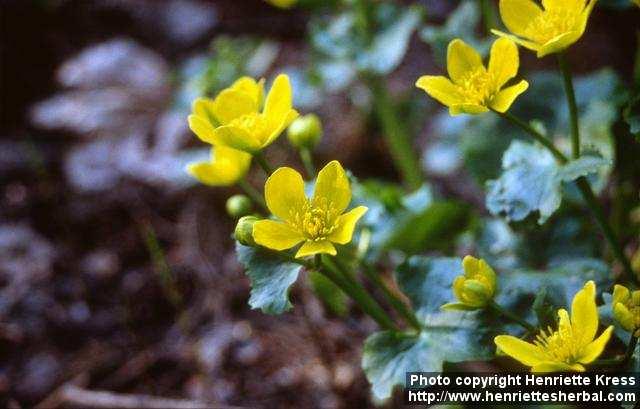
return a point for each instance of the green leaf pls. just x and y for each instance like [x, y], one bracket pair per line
[531, 181]
[447, 336]
[461, 23]
[434, 228]
[271, 277]
[389, 355]
[632, 115]
[330, 294]
[390, 44]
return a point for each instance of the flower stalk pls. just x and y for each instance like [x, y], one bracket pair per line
[355, 290]
[307, 162]
[586, 191]
[262, 161]
[573, 107]
[253, 194]
[406, 312]
[511, 316]
[396, 136]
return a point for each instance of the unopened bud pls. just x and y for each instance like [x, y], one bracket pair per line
[244, 230]
[238, 206]
[305, 131]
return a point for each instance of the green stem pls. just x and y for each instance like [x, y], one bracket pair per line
[307, 161]
[585, 190]
[396, 135]
[607, 230]
[514, 318]
[357, 292]
[535, 134]
[406, 312]
[263, 163]
[573, 107]
[253, 194]
[488, 15]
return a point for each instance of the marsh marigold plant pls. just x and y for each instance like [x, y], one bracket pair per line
[240, 119]
[471, 87]
[548, 29]
[317, 222]
[569, 348]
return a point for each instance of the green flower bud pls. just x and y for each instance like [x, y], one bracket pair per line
[244, 230]
[238, 206]
[305, 131]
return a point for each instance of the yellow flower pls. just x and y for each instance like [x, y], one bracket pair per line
[226, 167]
[318, 222]
[568, 348]
[636, 2]
[546, 30]
[283, 4]
[234, 118]
[476, 288]
[626, 309]
[473, 89]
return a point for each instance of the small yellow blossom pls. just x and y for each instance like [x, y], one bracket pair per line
[318, 222]
[283, 4]
[474, 89]
[626, 309]
[546, 30]
[476, 288]
[568, 348]
[236, 118]
[636, 2]
[225, 168]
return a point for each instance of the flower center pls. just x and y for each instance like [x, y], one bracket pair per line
[551, 23]
[315, 222]
[558, 345]
[475, 86]
[255, 124]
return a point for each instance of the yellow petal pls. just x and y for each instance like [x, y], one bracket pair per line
[520, 350]
[620, 294]
[489, 275]
[563, 4]
[275, 132]
[584, 314]
[275, 235]
[332, 188]
[279, 101]
[504, 61]
[284, 193]
[203, 107]
[517, 14]
[624, 317]
[225, 168]
[505, 98]
[309, 248]
[202, 128]
[470, 266]
[458, 287]
[250, 87]
[236, 138]
[461, 58]
[552, 366]
[564, 323]
[441, 89]
[231, 104]
[472, 109]
[558, 43]
[531, 45]
[595, 348]
[346, 223]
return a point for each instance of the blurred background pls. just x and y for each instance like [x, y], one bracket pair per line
[117, 271]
